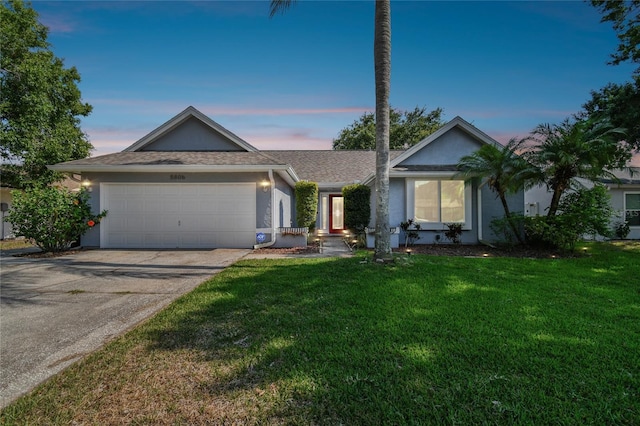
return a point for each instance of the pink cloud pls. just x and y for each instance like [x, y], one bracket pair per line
[58, 23]
[172, 107]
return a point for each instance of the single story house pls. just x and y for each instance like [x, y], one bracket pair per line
[191, 183]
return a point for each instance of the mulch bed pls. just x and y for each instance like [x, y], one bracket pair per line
[485, 251]
[312, 249]
[448, 250]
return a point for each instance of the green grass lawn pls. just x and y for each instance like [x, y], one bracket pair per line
[15, 244]
[335, 341]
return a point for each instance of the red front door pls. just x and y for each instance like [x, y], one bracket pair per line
[336, 214]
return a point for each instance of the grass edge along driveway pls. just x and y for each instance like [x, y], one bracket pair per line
[330, 341]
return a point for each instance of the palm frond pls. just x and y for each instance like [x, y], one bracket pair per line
[279, 6]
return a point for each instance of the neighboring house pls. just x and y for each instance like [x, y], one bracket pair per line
[625, 198]
[191, 183]
[5, 204]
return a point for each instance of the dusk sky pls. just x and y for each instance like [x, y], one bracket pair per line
[294, 81]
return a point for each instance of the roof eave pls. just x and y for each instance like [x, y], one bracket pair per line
[171, 168]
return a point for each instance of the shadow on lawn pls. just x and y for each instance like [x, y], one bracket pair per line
[451, 340]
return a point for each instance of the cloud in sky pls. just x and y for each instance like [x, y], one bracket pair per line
[58, 23]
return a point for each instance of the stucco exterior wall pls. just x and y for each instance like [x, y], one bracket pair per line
[492, 209]
[447, 149]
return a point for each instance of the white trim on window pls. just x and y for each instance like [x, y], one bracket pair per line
[411, 198]
[624, 203]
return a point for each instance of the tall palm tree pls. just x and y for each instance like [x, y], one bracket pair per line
[382, 66]
[506, 172]
[580, 149]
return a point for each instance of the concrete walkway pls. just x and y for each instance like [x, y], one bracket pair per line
[55, 311]
[330, 247]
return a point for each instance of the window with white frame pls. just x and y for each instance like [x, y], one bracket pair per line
[632, 208]
[433, 202]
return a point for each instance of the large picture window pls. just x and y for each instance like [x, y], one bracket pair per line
[632, 208]
[436, 201]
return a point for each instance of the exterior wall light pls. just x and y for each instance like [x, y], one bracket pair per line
[87, 185]
[265, 185]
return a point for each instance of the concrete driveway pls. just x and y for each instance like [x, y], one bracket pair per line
[55, 311]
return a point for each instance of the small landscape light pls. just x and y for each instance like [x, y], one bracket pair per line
[408, 251]
[485, 254]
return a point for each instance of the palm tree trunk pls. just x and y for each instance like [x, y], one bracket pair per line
[382, 64]
[555, 200]
[507, 213]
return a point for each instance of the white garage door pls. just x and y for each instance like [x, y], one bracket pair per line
[178, 215]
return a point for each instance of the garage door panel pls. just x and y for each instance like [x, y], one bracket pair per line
[179, 215]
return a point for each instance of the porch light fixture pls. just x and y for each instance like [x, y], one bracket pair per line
[265, 185]
[86, 184]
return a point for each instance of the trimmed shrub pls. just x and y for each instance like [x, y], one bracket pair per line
[357, 207]
[306, 204]
[582, 212]
[52, 217]
[453, 232]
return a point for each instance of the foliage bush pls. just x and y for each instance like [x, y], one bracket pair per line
[621, 229]
[503, 229]
[590, 210]
[620, 226]
[410, 235]
[453, 232]
[306, 204]
[52, 217]
[584, 211]
[357, 207]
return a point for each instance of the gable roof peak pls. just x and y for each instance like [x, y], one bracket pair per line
[458, 122]
[186, 114]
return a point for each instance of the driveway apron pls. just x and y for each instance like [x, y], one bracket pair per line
[54, 311]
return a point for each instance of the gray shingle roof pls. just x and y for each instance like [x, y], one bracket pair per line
[330, 166]
[209, 158]
[317, 166]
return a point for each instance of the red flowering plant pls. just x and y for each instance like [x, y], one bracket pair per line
[52, 217]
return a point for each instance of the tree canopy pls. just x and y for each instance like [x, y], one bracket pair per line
[40, 103]
[407, 129]
[625, 17]
[620, 103]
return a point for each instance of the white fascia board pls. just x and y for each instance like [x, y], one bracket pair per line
[289, 175]
[160, 168]
[180, 118]
[427, 174]
[439, 174]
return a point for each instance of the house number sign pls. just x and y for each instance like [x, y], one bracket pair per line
[177, 177]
